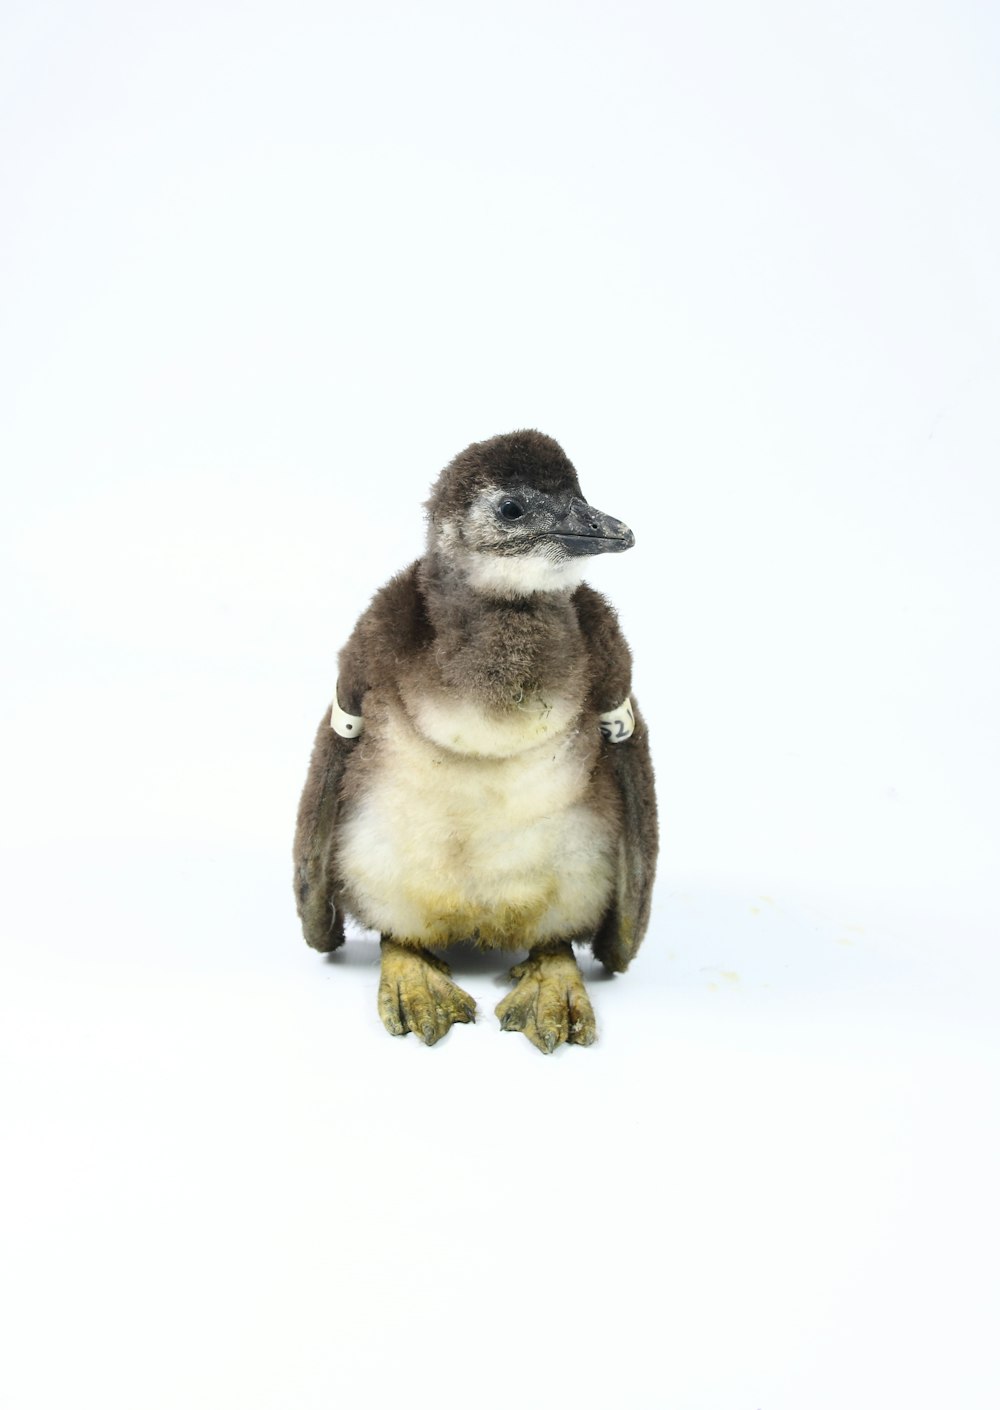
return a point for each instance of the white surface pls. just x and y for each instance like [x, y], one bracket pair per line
[264, 270]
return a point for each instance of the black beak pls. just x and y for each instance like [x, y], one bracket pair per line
[584, 529]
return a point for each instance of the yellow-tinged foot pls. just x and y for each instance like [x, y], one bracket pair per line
[549, 1004]
[416, 995]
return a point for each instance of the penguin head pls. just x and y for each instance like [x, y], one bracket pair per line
[509, 514]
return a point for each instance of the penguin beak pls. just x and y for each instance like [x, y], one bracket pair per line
[584, 529]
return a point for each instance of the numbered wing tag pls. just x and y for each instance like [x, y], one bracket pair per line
[617, 725]
[347, 726]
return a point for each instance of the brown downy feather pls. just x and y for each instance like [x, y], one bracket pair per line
[427, 629]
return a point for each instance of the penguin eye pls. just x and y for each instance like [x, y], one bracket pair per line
[510, 509]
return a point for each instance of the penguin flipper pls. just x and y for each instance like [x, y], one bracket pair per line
[393, 623]
[319, 807]
[624, 925]
[627, 758]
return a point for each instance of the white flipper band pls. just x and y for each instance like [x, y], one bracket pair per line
[617, 725]
[347, 726]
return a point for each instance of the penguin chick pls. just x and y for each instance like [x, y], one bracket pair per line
[482, 773]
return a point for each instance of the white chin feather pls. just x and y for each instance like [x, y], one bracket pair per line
[519, 575]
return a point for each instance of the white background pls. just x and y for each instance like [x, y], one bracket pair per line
[265, 268]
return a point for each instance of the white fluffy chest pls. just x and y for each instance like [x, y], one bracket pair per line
[446, 845]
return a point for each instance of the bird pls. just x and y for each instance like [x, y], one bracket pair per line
[483, 772]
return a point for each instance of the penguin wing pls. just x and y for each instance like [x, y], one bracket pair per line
[393, 625]
[627, 759]
[319, 807]
[624, 925]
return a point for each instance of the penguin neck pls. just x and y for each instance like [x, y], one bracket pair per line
[499, 650]
[455, 596]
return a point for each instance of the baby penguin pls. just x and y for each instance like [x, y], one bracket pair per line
[482, 773]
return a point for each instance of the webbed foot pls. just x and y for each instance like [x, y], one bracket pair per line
[416, 995]
[549, 1004]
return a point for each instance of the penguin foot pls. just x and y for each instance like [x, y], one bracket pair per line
[416, 995]
[549, 1004]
